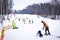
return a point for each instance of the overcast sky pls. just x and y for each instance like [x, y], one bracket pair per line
[21, 4]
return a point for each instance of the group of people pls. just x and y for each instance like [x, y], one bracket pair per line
[47, 32]
[30, 21]
[13, 26]
[7, 27]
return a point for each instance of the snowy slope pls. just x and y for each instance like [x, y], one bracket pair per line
[28, 31]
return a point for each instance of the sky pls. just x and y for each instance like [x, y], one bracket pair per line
[21, 4]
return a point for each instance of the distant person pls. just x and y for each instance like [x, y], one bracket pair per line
[32, 21]
[19, 19]
[46, 28]
[29, 21]
[23, 20]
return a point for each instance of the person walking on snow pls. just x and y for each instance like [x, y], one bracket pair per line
[46, 28]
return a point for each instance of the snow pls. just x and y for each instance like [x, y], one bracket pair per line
[28, 31]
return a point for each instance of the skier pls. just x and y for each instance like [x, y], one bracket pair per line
[46, 28]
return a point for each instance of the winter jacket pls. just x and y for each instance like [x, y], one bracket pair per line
[14, 24]
[45, 24]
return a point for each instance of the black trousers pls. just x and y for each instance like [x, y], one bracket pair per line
[47, 29]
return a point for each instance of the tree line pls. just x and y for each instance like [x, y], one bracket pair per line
[5, 6]
[42, 9]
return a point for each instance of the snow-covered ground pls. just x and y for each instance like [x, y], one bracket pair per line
[28, 31]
